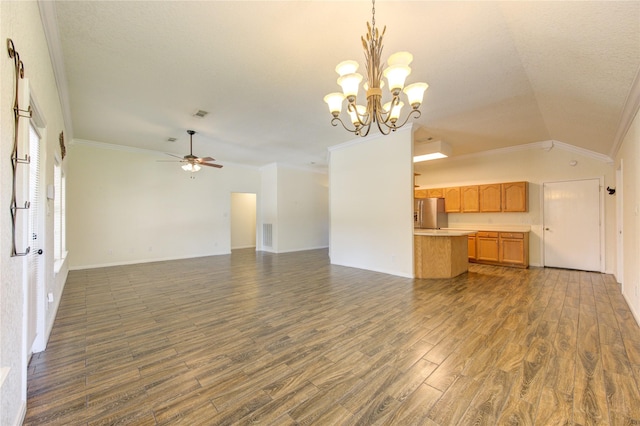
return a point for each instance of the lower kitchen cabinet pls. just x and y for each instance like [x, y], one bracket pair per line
[487, 246]
[514, 248]
[499, 248]
[471, 246]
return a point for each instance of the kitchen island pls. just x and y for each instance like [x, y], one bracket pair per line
[440, 253]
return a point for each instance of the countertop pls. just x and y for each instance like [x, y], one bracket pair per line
[442, 232]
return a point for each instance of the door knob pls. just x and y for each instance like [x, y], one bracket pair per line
[39, 251]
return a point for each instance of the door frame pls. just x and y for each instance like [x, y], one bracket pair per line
[40, 125]
[619, 226]
[231, 215]
[601, 201]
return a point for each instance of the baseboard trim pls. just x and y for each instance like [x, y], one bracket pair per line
[135, 262]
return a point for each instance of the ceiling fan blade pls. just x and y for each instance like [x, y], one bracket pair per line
[200, 160]
[211, 165]
[173, 155]
[170, 161]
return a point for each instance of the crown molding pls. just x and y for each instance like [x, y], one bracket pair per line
[547, 145]
[52, 35]
[584, 152]
[629, 111]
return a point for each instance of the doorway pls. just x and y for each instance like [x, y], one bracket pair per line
[243, 220]
[572, 219]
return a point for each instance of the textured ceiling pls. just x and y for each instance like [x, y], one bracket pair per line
[500, 73]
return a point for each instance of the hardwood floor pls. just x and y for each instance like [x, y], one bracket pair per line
[290, 339]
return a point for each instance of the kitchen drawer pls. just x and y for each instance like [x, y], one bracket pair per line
[516, 235]
[486, 234]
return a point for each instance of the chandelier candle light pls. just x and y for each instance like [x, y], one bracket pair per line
[385, 116]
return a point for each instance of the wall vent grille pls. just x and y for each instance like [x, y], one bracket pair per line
[267, 234]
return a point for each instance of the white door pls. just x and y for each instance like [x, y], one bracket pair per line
[35, 240]
[572, 234]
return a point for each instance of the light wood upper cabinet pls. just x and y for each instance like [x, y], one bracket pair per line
[452, 199]
[494, 197]
[514, 197]
[435, 193]
[490, 197]
[470, 199]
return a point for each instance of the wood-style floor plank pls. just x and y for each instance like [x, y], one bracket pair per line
[288, 339]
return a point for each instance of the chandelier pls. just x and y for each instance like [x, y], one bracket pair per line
[387, 115]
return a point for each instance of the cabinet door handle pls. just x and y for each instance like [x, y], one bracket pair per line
[546, 229]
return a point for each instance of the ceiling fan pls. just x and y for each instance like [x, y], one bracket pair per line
[191, 162]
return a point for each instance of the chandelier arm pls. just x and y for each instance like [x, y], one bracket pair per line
[394, 101]
[336, 120]
[393, 127]
[418, 114]
[384, 128]
[351, 107]
[365, 129]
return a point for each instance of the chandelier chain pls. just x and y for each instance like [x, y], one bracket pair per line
[373, 15]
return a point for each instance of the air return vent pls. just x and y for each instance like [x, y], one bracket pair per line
[267, 234]
[200, 113]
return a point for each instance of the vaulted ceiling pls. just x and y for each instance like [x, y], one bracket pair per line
[501, 74]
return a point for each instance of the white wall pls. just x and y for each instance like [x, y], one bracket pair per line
[371, 200]
[268, 205]
[124, 207]
[533, 165]
[303, 210]
[629, 154]
[243, 220]
[296, 202]
[21, 22]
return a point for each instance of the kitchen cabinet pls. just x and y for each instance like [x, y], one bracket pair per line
[470, 199]
[499, 248]
[471, 246]
[487, 247]
[420, 193]
[490, 197]
[440, 255]
[452, 199]
[514, 197]
[487, 198]
[435, 193]
[514, 248]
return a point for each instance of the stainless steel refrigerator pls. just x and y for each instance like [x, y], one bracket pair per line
[429, 213]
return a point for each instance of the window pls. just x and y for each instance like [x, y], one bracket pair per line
[59, 231]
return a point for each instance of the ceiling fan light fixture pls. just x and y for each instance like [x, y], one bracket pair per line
[191, 167]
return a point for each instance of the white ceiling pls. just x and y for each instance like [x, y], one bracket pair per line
[500, 73]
